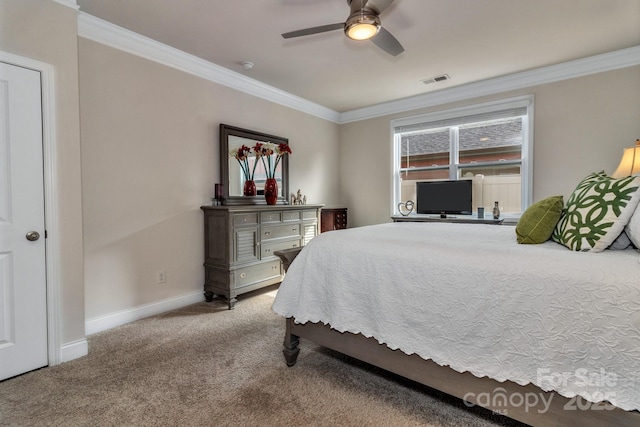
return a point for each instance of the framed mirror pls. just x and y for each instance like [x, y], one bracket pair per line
[236, 172]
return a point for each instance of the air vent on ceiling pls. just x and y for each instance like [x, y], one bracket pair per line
[436, 79]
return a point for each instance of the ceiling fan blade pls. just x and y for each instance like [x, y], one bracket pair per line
[378, 6]
[314, 30]
[385, 41]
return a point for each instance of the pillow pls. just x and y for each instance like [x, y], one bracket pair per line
[621, 243]
[539, 220]
[633, 228]
[597, 212]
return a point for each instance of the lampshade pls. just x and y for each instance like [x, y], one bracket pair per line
[630, 162]
[362, 26]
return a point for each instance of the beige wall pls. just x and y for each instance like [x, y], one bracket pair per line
[150, 157]
[46, 31]
[581, 125]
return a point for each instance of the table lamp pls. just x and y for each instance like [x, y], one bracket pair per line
[630, 162]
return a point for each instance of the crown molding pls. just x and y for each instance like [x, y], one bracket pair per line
[104, 32]
[568, 70]
[73, 4]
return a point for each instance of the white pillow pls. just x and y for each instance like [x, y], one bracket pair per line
[633, 228]
[621, 243]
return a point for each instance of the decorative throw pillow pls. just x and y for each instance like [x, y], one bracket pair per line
[597, 212]
[633, 228]
[539, 220]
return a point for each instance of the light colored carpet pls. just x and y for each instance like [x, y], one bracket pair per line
[204, 365]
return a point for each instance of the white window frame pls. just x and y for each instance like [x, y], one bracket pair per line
[526, 173]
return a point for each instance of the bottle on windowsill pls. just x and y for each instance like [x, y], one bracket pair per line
[496, 211]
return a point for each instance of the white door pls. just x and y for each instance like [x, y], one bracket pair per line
[23, 303]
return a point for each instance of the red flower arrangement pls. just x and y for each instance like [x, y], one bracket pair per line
[261, 150]
[266, 150]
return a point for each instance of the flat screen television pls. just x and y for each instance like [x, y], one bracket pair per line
[444, 197]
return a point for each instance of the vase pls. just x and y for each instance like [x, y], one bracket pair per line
[271, 191]
[249, 188]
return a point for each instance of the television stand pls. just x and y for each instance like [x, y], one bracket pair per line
[464, 219]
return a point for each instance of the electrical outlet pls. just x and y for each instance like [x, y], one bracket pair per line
[161, 276]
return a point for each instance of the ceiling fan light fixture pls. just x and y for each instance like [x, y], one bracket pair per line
[362, 26]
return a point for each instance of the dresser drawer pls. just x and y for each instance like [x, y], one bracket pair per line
[279, 231]
[291, 216]
[268, 249]
[245, 219]
[309, 214]
[256, 273]
[270, 217]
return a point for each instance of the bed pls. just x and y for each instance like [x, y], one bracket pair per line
[538, 333]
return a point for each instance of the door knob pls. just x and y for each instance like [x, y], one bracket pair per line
[33, 236]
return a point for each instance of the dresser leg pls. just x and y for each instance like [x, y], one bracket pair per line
[208, 296]
[231, 302]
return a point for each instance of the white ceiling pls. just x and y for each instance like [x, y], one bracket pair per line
[470, 40]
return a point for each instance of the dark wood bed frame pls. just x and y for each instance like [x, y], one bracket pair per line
[505, 398]
[464, 386]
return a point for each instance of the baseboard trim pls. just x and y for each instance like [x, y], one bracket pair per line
[103, 323]
[73, 350]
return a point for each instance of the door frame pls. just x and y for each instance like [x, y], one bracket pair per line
[49, 145]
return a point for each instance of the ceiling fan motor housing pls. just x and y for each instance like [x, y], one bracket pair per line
[363, 23]
[362, 26]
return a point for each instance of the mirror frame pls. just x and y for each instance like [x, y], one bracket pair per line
[228, 130]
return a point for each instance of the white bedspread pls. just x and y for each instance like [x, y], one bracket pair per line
[468, 296]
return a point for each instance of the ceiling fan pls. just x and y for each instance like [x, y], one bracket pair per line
[363, 23]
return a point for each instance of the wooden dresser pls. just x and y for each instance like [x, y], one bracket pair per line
[333, 218]
[240, 242]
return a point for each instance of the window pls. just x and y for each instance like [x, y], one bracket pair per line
[490, 144]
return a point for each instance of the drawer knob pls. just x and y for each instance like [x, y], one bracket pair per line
[266, 233]
[243, 275]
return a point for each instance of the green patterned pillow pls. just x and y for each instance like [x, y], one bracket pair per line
[597, 212]
[539, 220]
